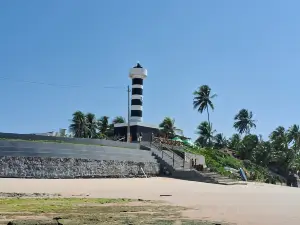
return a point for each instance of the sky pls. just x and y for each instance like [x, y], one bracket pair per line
[248, 52]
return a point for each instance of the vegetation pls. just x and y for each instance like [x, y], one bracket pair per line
[87, 126]
[244, 122]
[217, 160]
[167, 127]
[280, 153]
[206, 134]
[90, 211]
[203, 100]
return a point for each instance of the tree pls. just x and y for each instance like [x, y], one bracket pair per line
[119, 119]
[167, 127]
[92, 126]
[206, 134]
[247, 146]
[234, 141]
[262, 153]
[203, 100]
[293, 136]
[283, 157]
[103, 126]
[244, 121]
[279, 138]
[79, 125]
[220, 141]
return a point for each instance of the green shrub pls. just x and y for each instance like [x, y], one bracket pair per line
[217, 160]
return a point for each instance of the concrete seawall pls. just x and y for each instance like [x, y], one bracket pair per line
[54, 168]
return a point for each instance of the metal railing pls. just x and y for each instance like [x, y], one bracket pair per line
[168, 151]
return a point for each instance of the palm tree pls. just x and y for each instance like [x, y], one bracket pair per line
[167, 127]
[247, 146]
[234, 141]
[103, 125]
[79, 125]
[119, 119]
[262, 154]
[220, 141]
[244, 122]
[203, 100]
[280, 140]
[91, 125]
[206, 134]
[293, 135]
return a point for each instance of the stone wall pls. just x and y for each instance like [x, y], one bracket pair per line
[70, 140]
[51, 168]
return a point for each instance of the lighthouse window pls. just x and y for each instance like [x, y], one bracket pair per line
[137, 113]
[137, 81]
[137, 91]
[136, 102]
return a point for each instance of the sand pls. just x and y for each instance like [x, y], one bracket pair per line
[252, 204]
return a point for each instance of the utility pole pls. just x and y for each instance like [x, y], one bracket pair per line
[128, 115]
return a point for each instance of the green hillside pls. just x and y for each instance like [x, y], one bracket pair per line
[216, 160]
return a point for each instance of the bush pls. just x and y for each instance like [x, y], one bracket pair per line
[217, 160]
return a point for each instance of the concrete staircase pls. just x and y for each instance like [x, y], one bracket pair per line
[175, 166]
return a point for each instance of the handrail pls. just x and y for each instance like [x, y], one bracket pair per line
[169, 148]
[159, 148]
[178, 160]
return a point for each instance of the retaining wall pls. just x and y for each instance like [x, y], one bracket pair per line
[70, 140]
[200, 159]
[53, 168]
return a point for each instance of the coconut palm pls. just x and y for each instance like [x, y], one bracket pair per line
[247, 146]
[91, 125]
[244, 121]
[206, 134]
[79, 125]
[279, 138]
[220, 141]
[167, 127]
[203, 100]
[283, 155]
[234, 141]
[119, 119]
[103, 125]
[293, 135]
[262, 154]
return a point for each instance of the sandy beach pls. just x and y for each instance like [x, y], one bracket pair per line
[252, 204]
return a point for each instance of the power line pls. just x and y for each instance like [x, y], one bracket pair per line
[55, 84]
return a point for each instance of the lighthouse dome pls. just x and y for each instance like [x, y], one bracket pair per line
[138, 72]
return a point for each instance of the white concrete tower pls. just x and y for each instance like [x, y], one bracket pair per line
[137, 74]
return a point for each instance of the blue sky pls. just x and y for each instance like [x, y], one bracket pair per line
[247, 51]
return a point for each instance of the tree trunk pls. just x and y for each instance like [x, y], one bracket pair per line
[209, 141]
[207, 115]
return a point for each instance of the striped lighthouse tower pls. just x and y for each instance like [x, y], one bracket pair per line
[137, 74]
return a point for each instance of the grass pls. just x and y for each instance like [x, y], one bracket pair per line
[90, 211]
[217, 160]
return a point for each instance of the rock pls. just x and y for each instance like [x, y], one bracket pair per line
[50, 168]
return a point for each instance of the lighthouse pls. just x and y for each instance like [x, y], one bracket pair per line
[137, 74]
